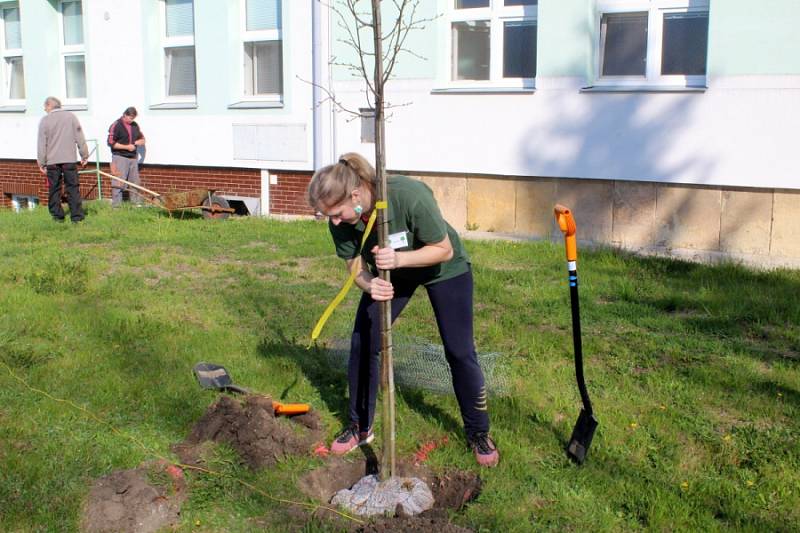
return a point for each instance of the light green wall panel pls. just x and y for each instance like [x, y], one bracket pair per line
[218, 56]
[152, 54]
[213, 51]
[423, 42]
[565, 38]
[747, 38]
[41, 59]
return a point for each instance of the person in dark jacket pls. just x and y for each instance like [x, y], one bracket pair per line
[59, 133]
[124, 138]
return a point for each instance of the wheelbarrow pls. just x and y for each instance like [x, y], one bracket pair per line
[212, 206]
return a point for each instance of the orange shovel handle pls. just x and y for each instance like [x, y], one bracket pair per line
[290, 408]
[567, 224]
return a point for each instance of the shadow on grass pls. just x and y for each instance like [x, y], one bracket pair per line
[430, 411]
[313, 362]
[331, 380]
[753, 310]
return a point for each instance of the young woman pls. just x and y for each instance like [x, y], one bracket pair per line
[423, 249]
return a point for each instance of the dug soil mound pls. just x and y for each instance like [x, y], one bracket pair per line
[451, 491]
[141, 500]
[253, 430]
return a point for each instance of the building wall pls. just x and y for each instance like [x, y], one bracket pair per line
[757, 226]
[21, 177]
[124, 63]
[288, 195]
[736, 133]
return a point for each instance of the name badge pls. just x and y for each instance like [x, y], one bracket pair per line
[398, 240]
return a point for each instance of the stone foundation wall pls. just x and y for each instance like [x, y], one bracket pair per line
[756, 226]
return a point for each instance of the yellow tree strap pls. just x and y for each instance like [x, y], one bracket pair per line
[353, 273]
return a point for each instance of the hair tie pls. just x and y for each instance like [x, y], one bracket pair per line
[344, 162]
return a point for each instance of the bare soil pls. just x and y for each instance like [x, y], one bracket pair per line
[252, 429]
[149, 498]
[141, 500]
[451, 491]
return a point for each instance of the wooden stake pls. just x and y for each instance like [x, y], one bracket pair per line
[388, 459]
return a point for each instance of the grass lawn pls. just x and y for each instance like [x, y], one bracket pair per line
[694, 372]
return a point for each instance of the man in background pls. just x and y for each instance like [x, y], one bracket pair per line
[124, 138]
[60, 133]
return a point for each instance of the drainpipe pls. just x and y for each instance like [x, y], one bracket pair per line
[322, 110]
[317, 79]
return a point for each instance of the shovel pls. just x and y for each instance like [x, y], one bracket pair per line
[211, 376]
[586, 425]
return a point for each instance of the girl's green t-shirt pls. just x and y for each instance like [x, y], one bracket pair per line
[414, 221]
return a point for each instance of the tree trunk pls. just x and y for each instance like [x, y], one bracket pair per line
[387, 368]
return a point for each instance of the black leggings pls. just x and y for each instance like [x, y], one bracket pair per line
[451, 300]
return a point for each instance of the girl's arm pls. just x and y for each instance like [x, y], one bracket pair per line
[379, 289]
[428, 255]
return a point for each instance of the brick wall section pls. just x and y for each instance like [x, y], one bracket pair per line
[230, 181]
[288, 197]
[19, 176]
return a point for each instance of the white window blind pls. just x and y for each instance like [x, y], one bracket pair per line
[16, 82]
[73, 23]
[263, 68]
[13, 29]
[75, 76]
[624, 44]
[180, 18]
[263, 15]
[180, 71]
[685, 43]
[519, 49]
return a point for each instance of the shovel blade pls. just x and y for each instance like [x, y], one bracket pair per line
[211, 376]
[582, 436]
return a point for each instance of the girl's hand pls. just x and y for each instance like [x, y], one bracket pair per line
[381, 290]
[385, 258]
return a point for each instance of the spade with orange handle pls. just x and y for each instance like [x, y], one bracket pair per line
[211, 376]
[586, 425]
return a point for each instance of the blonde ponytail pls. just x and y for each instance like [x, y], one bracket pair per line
[332, 184]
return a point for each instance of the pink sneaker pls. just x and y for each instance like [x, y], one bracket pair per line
[484, 449]
[350, 439]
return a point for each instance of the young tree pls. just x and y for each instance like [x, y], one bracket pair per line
[379, 47]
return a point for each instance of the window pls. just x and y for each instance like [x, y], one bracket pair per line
[652, 42]
[179, 59]
[12, 73]
[263, 50]
[73, 51]
[20, 202]
[493, 42]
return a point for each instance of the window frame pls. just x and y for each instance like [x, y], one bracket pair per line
[71, 50]
[497, 14]
[260, 36]
[655, 9]
[7, 54]
[181, 41]
[31, 202]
